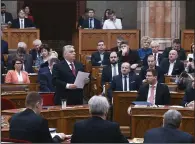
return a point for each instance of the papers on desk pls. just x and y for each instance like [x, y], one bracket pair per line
[80, 79]
[175, 106]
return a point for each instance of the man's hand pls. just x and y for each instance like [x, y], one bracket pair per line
[144, 81]
[86, 81]
[134, 66]
[191, 104]
[124, 51]
[72, 86]
[62, 135]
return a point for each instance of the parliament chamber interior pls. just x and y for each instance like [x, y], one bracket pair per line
[97, 71]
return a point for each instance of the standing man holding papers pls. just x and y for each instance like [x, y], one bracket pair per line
[63, 78]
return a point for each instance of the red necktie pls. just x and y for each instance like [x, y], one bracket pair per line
[73, 69]
[151, 98]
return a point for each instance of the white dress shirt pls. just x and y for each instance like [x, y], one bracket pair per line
[156, 58]
[116, 67]
[123, 80]
[149, 93]
[20, 78]
[3, 18]
[171, 66]
[109, 24]
[69, 64]
[21, 21]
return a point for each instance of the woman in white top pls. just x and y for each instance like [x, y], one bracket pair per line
[17, 75]
[190, 68]
[112, 22]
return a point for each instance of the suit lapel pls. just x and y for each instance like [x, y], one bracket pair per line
[18, 23]
[121, 82]
[157, 93]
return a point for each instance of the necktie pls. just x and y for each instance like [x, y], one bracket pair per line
[125, 83]
[155, 56]
[151, 98]
[90, 23]
[73, 69]
[22, 24]
[114, 70]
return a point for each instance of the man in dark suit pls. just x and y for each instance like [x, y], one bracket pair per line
[4, 47]
[118, 47]
[152, 65]
[154, 92]
[97, 129]
[6, 17]
[91, 22]
[126, 81]
[112, 69]
[172, 65]
[35, 52]
[101, 57]
[176, 46]
[46, 77]
[170, 132]
[29, 125]
[63, 78]
[28, 62]
[128, 55]
[22, 22]
[189, 98]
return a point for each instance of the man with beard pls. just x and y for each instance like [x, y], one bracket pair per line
[6, 17]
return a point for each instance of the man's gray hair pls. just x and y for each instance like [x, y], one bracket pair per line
[98, 105]
[37, 42]
[120, 38]
[66, 48]
[22, 44]
[172, 117]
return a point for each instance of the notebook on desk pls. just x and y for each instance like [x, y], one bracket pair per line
[142, 103]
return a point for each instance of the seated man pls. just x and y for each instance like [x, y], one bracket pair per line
[29, 125]
[97, 129]
[172, 66]
[128, 55]
[101, 57]
[46, 77]
[170, 132]
[4, 47]
[112, 69]
[152, 65]
[22, 22]
[6, 17]
[145, 50]
[126, 81]
[118, 42]
[154, 92]
[35, 51]
[176, 46]
[112, 22]
[189, 98]
[27, 64]
[91, 22]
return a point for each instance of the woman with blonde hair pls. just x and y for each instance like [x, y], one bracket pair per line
[17, 75]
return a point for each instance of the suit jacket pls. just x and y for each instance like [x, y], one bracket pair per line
[177, 69]
[162, 94]
[167, 134]
[46, 82]
[27, 23]
[132, 57]
[61, 75]
[28, 62]
[160, 77]
[107, 73]
[8, 17]
[4, 47]
[97, 130]
[95, 58]
[189, 96]
[134, 82]
[181, 53]
[97, 24]
[43, 70]
[11, 77]
[27, 125]
[33, 52]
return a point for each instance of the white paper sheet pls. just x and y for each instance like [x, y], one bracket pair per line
[80, 79]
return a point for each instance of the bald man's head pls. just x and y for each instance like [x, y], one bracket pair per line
[173, 55]
[125, 68]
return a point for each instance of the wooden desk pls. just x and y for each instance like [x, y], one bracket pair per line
[88, 39]
[122, 101]
[62, 119]
[143, 119]
[30, 86]
[13, 36]
[187, 38]
[33, 77]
